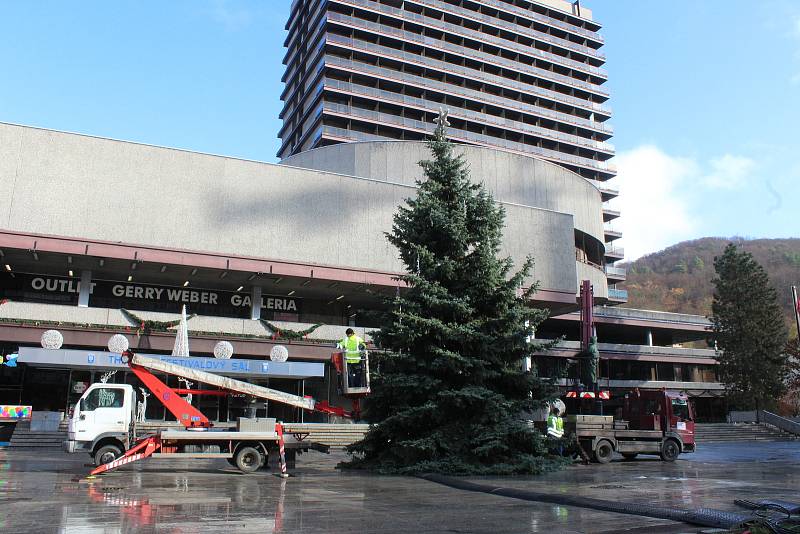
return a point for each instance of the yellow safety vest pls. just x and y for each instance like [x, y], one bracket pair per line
[555, 426]
[350, 346]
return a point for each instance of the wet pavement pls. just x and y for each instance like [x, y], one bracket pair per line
[42, 492]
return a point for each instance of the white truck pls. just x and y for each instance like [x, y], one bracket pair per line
[103, 422]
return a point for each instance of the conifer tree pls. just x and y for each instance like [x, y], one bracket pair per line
[449, 393]
[749, 329]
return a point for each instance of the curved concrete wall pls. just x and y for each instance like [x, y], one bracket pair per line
[512, 178]
[86, 187]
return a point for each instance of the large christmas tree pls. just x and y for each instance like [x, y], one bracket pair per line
[450, 392]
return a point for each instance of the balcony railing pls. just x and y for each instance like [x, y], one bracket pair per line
[479, 96]
[464, 71]
[461, 31]
[544, 19]
[518, 29]
[615, 252]
[481, 118]
[617, 272]
[617, 294]
[492, 59]
[467, 136]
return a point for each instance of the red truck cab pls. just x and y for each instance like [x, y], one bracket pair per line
[667, 411]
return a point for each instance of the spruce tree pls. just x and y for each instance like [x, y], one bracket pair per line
[749, 329]
[450, 390]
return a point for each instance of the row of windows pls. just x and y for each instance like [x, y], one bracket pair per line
[554, 367]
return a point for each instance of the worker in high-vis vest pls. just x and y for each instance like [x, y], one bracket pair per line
[555, 429]
[352, 345]
[555, 424]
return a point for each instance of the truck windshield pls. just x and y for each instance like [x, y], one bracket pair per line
[680, 409]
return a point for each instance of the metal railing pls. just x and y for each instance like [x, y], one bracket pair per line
[615, 251]
[462, 31]
[483, 118]
[464, 71]
[445, 67]
[427, 127]
[617, 294]
[492, 59]
[516, 28]
[782, 423]
[513, 104]
[544, 19]
[616, 271]
[395, 75]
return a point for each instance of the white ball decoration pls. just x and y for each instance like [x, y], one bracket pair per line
[279, 353]
[118, 344]
[52, 339]
[223, 350]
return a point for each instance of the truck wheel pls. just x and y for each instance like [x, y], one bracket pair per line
[603, 452]
[670, 450]
[630, 455]
[106, 454]
[248, 459]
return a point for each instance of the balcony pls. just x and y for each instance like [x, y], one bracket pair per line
[617, 295]
[461, 31]
[517, 66]
[457, 112]
[516, 28]
[610, 215]
[606, 192]
[500, 81]
[616, 273]
[615, 253]
[611, 233]
[544, 19]
[456, 134]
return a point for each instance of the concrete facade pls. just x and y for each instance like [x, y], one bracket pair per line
[78, 186]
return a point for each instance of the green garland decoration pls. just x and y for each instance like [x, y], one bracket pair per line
[285, 333]
[115, 329]
[147, 326]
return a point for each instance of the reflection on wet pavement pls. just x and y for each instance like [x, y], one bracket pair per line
[43, 492]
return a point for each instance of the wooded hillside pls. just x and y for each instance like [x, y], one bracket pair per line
[678, 279]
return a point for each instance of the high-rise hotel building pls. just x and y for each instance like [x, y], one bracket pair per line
[516, 75]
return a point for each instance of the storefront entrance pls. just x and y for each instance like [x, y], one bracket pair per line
[46, 389]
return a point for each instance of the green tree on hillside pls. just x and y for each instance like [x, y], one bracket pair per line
[449, 392]
[749, 330]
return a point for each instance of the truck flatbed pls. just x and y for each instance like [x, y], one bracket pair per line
[225, 435]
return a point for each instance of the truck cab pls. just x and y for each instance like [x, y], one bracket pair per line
[667, 411]
[102, 422]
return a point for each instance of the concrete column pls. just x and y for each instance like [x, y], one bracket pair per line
[649, 337]
[86, 287]
[255, 306]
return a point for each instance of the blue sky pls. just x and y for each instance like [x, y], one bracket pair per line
[705, 96]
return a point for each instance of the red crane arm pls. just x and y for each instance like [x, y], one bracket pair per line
[185, 413]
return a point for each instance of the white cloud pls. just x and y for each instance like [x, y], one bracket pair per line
[729, 172]
[653, 214]
[655, 189]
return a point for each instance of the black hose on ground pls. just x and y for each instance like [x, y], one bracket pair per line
[705, 517]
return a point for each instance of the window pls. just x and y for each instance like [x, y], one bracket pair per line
[103, 398]
[680, 409]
